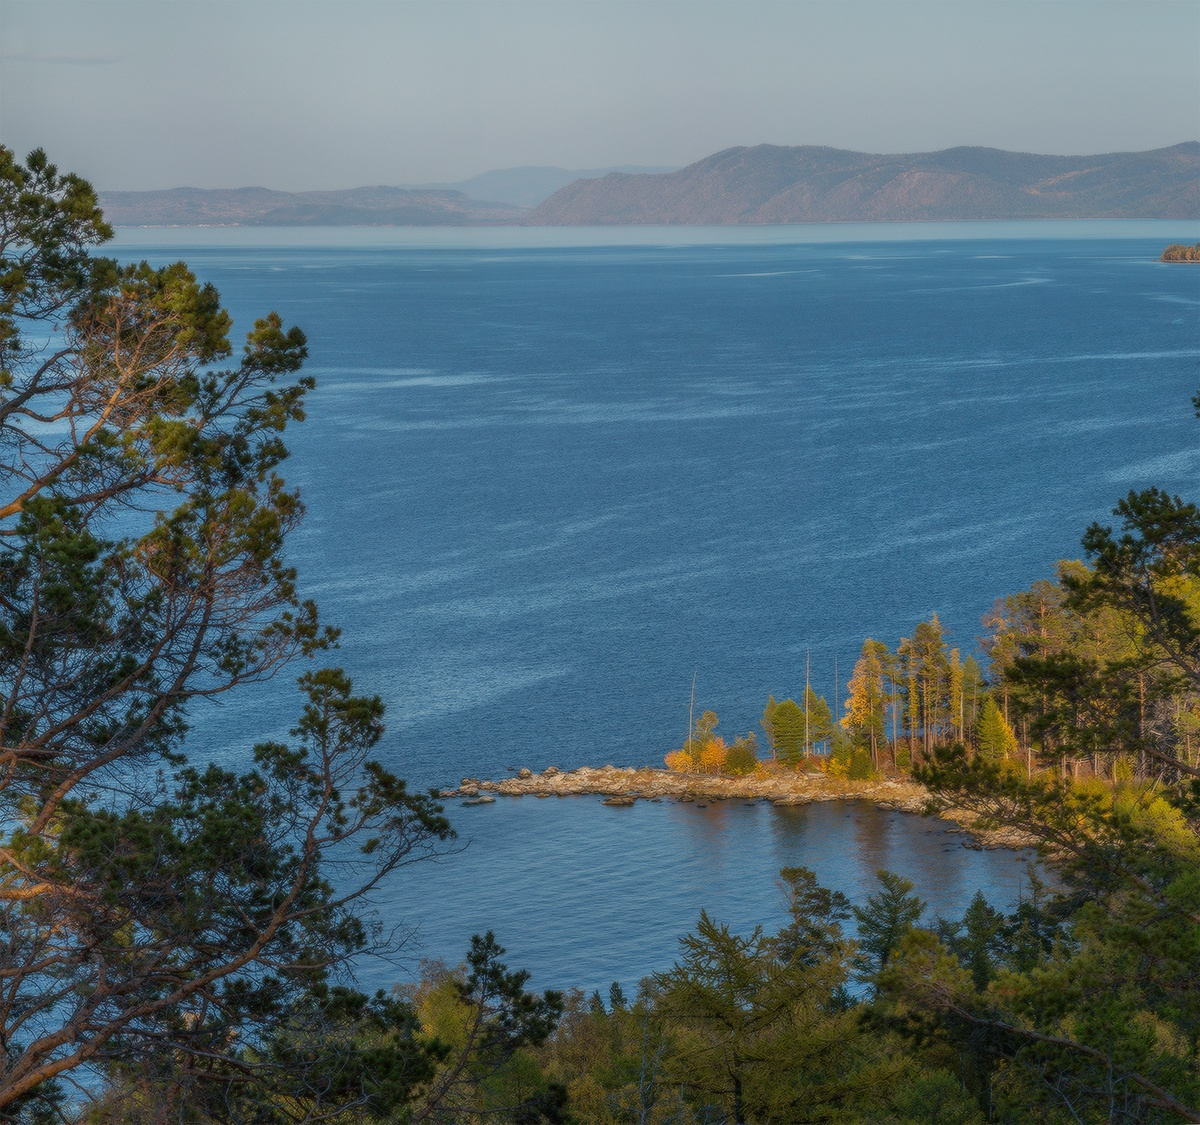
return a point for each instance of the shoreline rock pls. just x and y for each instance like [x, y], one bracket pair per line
[622, 787]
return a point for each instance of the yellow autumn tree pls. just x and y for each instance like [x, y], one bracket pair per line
[712, 756]
[680, 761]
[868, 698]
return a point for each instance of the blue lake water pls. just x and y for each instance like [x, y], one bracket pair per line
[552, 475]
[584, 894]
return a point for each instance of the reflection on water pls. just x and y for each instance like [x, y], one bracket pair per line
[583, 894]
[871, 839]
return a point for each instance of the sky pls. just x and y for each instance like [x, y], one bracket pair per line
[300, 95]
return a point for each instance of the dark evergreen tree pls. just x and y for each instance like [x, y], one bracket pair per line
[178, 923]
[884, 920]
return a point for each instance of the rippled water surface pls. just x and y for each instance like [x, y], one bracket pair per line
[552, 475]
[587, 894]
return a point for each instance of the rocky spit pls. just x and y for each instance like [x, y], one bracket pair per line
[622, 787]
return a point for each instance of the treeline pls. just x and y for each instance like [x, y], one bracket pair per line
[1178, 252]
[899, 707]
[1074, 682]
[807, 1024]
[1061, 1011]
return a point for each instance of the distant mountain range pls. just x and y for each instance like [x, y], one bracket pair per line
[529, 185]
[773, 184]
[501, 196]
[763, 184]
[255, 206]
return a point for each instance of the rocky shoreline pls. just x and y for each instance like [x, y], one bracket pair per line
[623, 787]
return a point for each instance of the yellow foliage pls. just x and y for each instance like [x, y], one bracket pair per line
[590, 1100]
[712, 757]
[679, 760]
[1138, 805]
[837, 767]
[439, 1005]
[1166, 825]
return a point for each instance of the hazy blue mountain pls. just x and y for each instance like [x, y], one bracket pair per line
[500, 196]
[775, 184]
[763, 184]
[255, 206]
[528, 186]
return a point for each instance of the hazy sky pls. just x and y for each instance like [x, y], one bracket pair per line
[338, 93]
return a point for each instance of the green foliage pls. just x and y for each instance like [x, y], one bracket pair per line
[994, 739]
[738, 1010]
[702, 732]
[47, 223]
[978, 940]
[742, 757]
[884, 920]
[1147, 572]
[1086, 1007]
[611, 1062]
[925, 671]
[973, 691]
[852, 761]
[485, 1022]
[822, 730]
[814, 934]
[869, 698]
[206, 916]
[171, 922]
[787, 726]
[1102, 663]
[935, 1098]
[755, 1028]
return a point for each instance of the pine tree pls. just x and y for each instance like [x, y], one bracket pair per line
[973, 691]
[788, 724]
[884, 919]
[993, 736]
[821, 728]
[957, 701]
[158, 915]
[932, 669]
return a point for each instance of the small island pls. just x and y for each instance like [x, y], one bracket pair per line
[1177, 252]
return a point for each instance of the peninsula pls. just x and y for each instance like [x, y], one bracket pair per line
[624, 786]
